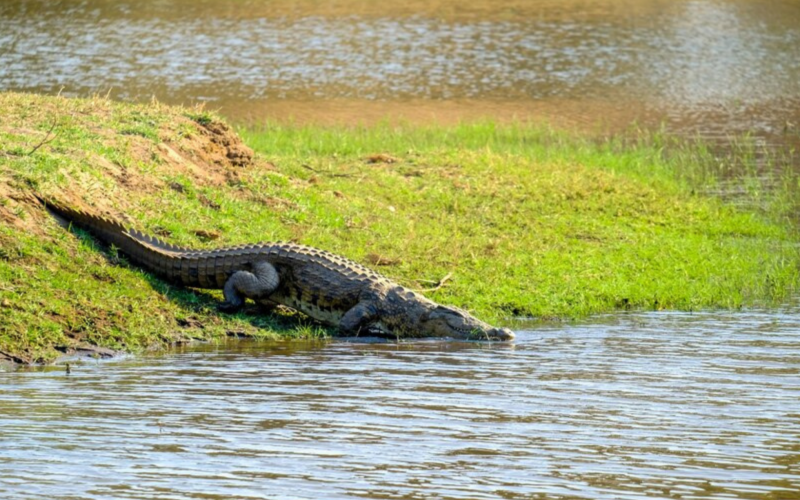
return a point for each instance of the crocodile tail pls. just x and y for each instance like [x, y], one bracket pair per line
[108, 230]
[143, 249]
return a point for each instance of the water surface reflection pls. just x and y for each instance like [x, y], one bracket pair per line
[713, 67]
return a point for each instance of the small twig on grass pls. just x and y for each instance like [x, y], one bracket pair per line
[317, 171]
[439, 284]
[47, 138]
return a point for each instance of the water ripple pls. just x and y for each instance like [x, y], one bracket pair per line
[700, 52]
[660, 404]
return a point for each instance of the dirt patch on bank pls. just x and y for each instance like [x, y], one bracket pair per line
[222, 146]
[93, 153]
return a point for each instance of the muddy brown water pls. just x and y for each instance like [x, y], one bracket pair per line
[704, 67]
[645, 405]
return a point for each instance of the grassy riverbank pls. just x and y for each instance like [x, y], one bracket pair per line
[524, 221]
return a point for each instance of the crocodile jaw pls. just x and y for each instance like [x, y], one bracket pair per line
[449, 321]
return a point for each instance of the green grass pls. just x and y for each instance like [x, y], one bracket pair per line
[526, 221]
[533, 222]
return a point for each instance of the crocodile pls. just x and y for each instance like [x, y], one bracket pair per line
[324, 286]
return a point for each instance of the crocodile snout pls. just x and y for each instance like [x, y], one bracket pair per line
[501, 334]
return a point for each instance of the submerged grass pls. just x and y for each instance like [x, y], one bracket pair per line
[526, 221]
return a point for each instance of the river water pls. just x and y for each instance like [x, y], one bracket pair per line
[702, 67]
[642, 405]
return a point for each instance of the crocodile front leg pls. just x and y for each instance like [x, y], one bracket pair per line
[259, 283]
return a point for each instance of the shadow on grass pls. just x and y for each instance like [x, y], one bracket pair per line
[284, 322]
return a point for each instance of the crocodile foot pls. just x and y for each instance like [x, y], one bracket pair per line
[228, 307]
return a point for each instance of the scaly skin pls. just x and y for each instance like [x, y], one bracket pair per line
[329, 288]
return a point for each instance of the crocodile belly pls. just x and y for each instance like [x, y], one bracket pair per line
[319, 310]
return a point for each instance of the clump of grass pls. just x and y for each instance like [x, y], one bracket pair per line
[526, 221]
[201, 116]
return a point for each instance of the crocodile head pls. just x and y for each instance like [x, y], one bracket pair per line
[403, 310]
[450, 321]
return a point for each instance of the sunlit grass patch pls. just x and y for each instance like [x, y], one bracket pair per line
[534, 222]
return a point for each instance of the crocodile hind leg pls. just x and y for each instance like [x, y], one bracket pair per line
[259, 283]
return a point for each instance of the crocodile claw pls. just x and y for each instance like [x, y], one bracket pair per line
[227, 307]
